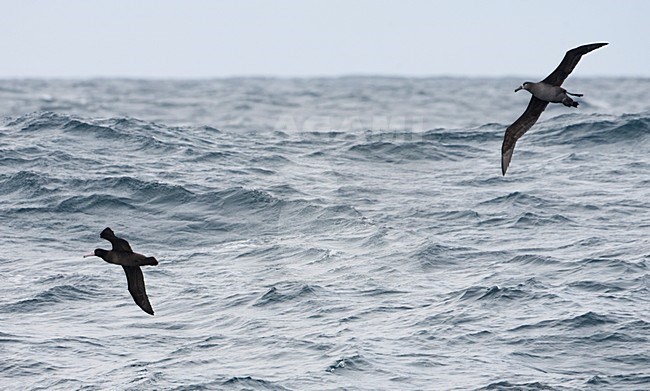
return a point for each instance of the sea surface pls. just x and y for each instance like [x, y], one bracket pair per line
[348, 233]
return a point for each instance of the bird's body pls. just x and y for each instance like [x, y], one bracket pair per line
[124, 258]
[121, 254]
[550, 93]
[544, 92]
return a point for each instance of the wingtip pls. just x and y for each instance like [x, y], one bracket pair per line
[106, 233]
[505, 162]
[148, 310]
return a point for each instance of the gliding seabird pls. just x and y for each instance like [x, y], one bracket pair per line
[121, 254]
[544, 92]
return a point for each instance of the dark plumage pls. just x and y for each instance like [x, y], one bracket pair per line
[544, 92]
[121, 254]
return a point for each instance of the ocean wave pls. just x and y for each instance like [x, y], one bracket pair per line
[469, 136]
[146, 191]
[529, 219]
[518, 198]
[250, 383]
[241, 198]
[506, 385]
[94, 203]
[588, 319]
[493, 293]
[74, 126]
[354, 362]
[534, 260]
[287, 291]
[126, 133]
[53, 295]
[435, 255]
[389, 152]
[194, 156]
[451, 215]
[28, 183]
[129, 193]
[530, 289]
[20, 368]
[616, 264]
[631, 381]
[596, 129]
[37, 121]
[595, 286]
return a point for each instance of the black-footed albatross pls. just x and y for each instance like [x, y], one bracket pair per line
[121, 254]
[544, 92]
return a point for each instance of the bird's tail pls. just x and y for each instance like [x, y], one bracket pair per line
[568, 102]
[151, 261]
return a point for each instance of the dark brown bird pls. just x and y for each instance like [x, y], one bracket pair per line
[544, 92]
[121, 254]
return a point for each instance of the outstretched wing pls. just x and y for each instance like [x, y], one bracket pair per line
[569, 62]
[135, 280]
[518, 128]
[119, 244]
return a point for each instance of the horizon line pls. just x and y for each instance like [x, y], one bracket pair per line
[313, 76]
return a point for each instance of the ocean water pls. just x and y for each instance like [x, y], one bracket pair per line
[324, 234]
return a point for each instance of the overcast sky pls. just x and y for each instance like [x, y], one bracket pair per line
[197, 39]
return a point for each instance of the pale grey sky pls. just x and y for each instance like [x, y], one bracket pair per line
[197, 39]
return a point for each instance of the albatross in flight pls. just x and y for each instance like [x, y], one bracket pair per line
[544, 92]
[121, 254]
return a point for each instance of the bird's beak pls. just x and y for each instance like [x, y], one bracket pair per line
[89, 255]
[519, 88]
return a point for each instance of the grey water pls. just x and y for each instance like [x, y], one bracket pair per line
[323, 234]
